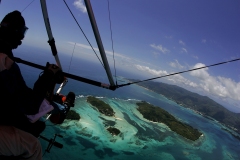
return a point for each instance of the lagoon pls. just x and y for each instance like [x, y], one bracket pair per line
[139, 138]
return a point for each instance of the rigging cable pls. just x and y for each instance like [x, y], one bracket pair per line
[115, 72]
[71, 58]
[83, 33]
[27, 5]
[216, 64]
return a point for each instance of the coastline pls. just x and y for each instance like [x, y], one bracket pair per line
[230, 129]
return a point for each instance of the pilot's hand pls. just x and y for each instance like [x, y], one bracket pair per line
[5, 62]
[57, 73]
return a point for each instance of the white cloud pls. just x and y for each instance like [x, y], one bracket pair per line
[177, 79]
[204, 40]
[160, 48]
[83, 46]
[151, 71]
[195, 57]
[118, 56]
[184, 50]
[97, 50]
[232, 87]
[80, 5]
[222, 87]
[176, 64]
[181, 42]
[201, 73]
[169, 37]
[217, 86]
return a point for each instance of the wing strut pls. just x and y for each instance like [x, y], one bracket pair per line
[99, 41]
[51, 40]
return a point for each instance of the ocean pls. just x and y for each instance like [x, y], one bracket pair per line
[88, 139]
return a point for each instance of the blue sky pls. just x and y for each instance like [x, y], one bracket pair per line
[150, 38]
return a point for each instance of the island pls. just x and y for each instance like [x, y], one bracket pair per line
[101, 106]
[73, 115]
[156, 114]
[113, 131]
[202, 105]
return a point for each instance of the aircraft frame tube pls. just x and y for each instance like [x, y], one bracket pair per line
[71, 76]
[51, 40]
[99, 41]
[49, 32]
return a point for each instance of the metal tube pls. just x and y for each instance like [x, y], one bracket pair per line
[49, 32]
[99, 41]
[51, 40]
[75, 77]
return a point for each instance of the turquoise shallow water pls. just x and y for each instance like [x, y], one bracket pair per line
[139, 138]
[88, 138]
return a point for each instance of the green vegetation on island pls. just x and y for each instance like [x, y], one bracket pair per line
[203, 105]
[101, 106]
[157, 114]
[72, 115]
[113, 131]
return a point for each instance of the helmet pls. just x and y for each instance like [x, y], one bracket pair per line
[13, 29]
[15, 22]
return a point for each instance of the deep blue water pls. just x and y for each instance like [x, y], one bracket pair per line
[88, 139]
